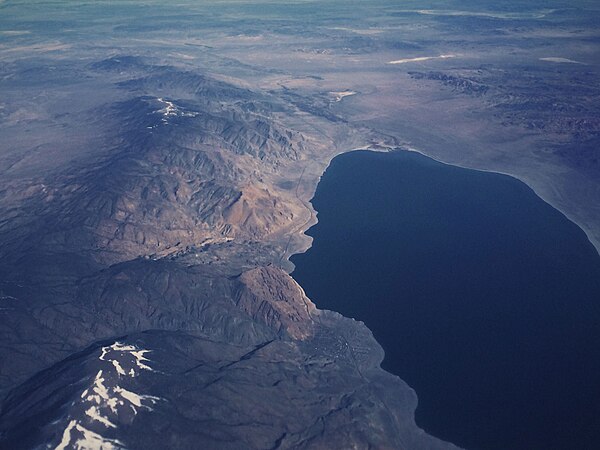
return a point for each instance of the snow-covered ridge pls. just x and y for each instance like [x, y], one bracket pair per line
[123, 351]
[105, 403]
[171, 110]
[87, 439]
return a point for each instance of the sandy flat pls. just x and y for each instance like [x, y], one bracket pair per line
[420, 58]
[556, 59]
[340, 95]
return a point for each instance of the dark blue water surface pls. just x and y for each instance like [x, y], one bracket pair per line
[485, 298]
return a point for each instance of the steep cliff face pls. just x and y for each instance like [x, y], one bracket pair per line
[270, 296]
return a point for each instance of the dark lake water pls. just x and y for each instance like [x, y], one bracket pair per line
[484, 298]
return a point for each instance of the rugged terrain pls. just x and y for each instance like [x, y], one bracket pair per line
[141, 277]
[156, 163]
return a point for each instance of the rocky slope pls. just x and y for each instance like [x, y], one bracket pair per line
[142, 297]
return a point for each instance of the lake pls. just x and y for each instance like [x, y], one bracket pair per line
[484, 297]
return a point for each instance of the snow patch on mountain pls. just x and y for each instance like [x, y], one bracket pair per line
[171, 110]
[105, 403]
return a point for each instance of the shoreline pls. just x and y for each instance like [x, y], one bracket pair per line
[313, 220]
[300, 231]
[595, 243]
[289, 267]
